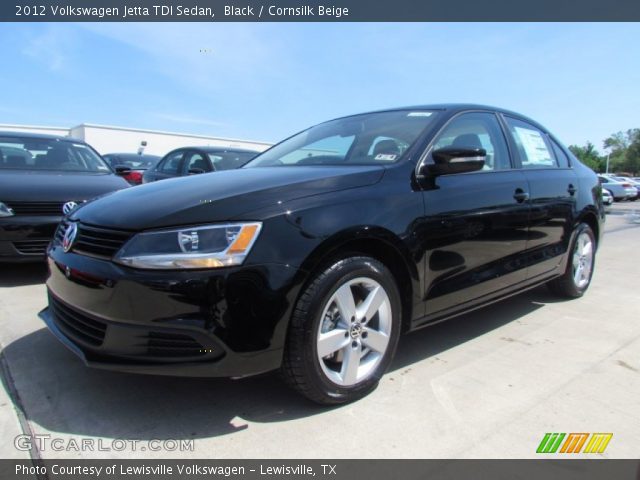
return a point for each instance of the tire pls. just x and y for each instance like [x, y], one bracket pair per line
[577, 276]
[333, 360]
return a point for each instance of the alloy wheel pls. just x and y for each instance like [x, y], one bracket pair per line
[582, 260]
[354, 331]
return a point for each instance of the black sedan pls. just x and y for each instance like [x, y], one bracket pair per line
[194, 160]
[315, 256]
[131, 166]
[42, 178]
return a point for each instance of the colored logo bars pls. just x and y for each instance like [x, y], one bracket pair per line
[574, 442]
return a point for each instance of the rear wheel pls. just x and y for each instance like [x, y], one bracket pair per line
[577, 276]
[344, 331]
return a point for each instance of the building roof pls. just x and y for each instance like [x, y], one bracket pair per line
[162, 132]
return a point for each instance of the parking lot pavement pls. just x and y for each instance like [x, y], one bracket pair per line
[487, 384]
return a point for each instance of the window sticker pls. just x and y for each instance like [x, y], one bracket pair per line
[387, 157]
[419, 114]
[534, 146]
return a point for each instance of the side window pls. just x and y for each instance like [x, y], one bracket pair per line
[533, 146]
[195, 160]
[561, 157]
[477, 130]
[171, 163]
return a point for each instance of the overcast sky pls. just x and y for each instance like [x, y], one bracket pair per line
[267, 81]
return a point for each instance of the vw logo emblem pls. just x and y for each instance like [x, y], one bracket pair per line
[356, 330]
[68, 207]
[69, 236]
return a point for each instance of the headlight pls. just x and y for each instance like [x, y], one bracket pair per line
[5, 211]
[197, 247]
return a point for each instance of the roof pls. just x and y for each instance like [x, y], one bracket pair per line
[164, 132]
[456, 107]
[131, 154]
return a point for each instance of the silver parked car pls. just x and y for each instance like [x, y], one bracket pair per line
[619, 190]
[634, 183]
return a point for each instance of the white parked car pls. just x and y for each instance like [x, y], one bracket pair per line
[634, 183]
[607, 198]
[619, 190]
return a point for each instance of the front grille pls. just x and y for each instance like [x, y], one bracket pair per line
[76, 325]
[36, 208]
[173, 345]
[100, 242]
[31, 247]
[59, 235]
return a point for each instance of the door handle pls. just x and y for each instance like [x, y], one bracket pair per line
[571, 189]
[520, 195]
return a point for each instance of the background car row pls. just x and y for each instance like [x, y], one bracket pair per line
[620, 188]
[44, 177]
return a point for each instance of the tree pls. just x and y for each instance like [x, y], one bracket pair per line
[624, 151]
[589, 156]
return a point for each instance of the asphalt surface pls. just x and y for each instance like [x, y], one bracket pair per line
[488, 384]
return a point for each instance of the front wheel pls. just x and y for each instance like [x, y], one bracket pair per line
[577, 276]
[344, 331]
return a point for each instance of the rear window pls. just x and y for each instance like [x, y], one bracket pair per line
[534, 148]
[230, 160]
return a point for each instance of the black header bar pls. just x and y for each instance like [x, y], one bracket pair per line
[320, 11]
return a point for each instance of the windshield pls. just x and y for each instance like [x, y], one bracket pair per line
[48, 154]
[370, 139]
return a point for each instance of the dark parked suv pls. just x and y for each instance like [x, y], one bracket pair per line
[315, 256]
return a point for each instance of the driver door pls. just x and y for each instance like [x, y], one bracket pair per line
[475, 224]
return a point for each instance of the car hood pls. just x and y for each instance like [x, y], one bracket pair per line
[219, 196]
[28, 186]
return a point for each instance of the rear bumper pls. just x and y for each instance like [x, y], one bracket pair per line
[228, 322]
[25, 238]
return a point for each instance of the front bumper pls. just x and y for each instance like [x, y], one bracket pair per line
[228, 322]
[25, 238]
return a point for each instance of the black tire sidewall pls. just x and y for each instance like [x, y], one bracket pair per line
[340, 273]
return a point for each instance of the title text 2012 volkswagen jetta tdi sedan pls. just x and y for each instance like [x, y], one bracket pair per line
[316, 255]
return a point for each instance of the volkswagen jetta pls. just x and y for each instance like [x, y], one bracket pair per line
[315, 256]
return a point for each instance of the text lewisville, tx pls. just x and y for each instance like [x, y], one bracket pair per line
[179, 469]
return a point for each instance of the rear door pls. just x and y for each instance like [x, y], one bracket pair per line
[553, 188]
[475, 227]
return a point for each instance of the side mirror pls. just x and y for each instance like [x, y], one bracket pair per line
[195, 171]
[122, 169]
[450, 160]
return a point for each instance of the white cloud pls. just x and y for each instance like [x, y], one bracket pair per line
[51, 46]
[206, 57]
